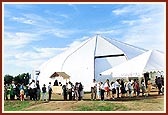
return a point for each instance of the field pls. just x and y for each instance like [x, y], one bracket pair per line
[150, 103]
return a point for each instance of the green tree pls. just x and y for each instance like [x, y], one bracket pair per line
[8, 79]
[21, 78]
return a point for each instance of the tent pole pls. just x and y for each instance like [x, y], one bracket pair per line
[94, 55]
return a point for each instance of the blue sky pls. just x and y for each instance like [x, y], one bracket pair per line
[33, 33]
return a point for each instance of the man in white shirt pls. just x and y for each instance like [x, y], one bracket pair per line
[49, 91]
[33, 90]
[102, 91]
[69, 87]
[93, 90]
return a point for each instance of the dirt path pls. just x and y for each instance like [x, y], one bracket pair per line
[57, 106]
[137, 104]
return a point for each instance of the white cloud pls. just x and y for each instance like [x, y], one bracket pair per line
[136, 9]
[146, 35]
[56, 14]
[18, 39]
[129, 22]
[146, 26]
[39, 20]
[30, 59]
[36, 20]
[60, 33]
[121, 11]
[105, 32]
[77, 42]
[23, 20]
[33, 58]
[74, 44]
[64, 15]
[142, 20]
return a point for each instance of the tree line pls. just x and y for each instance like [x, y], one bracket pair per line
[21, 78]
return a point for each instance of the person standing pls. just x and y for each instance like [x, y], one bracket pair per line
[113, 89]
[64, 92]
[102, 91]
[156, 82]
[38, 90]
[106, 88]
[22, 94]
[12, 90]
[134, 87]
[21, 89]
[6, 92]
[49, 91]
[143, 87]
[69, 90]
[93, 90]
[149, 86]
[44, 95]
[129, 87]
[33, 90]
[76, 91]
[80, 91]
[117, 84]
[159, 85]
[138, 87]
[98, 90]
[162, 89]
[122, 88]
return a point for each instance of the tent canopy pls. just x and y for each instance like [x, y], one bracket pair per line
[62, 74]
[85, 61]
[151, 60]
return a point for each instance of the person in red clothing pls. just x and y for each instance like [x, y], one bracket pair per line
[22, 95]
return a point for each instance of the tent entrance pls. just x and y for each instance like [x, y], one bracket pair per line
[102, 63]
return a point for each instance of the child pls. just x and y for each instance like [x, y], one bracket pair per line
[22, 95]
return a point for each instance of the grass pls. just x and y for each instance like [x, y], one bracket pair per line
[17, 105]
[101, 106]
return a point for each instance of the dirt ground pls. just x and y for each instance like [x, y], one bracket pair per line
[150, 103]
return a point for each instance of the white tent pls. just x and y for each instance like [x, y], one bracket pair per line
[83, 63]
[149, 61]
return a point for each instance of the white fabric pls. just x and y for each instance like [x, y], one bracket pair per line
[94, 84]
[83, 63]
[113, 86]
[106, 85]
[151, 60]
[69, 86]
[33, 85]
[102, 86]
[13, 85]
[117, 84]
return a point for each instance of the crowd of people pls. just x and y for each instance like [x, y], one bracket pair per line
[74, 91]
[21, 92]
[70, 91]
[33, 91]
[123, 88]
